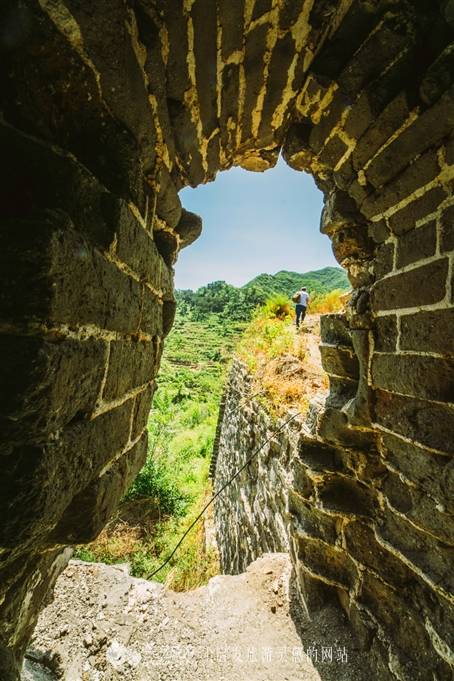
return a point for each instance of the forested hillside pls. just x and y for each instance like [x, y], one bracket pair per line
[239, 303]
[174, 483]
[286, 283]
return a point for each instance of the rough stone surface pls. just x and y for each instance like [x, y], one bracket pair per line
[107, 625]
[108, 110]
[337, 508]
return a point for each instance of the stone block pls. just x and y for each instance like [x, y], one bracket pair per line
[356, 25]
[438, 77]
[213, 156]
[229, 103]
[385, 333]
[421, 286]
[203, 13]
[136, 248]
[261, 7]
[131, 364]
[334, 329]
[428, 423]
[290, 12]
[320, 457]
[151, 319]
[70, 283]
[417, 244]
[391, 118]
[302, 482]
[168, 206]
[187, 148]
[352, 247]
[328, 122]
[402, 626]
[121, 73]
[362, 545]
[308, 520]
[96, 440]
[429, 378]
[358, 411]
[75, 107]
[333, 151]
[378, 231]
[379, 50]
[406, 218]
[341, 390]
[169, 309]
[167, 245]
[141, 410]
[231, 19]
[426, 131]
[296, 151]
[47, 384]
[177, 81]
[344, 176]
[339, 212]
[428, 331]
[447, 229]
[40, 480]
[346, 497]
[334, 428]
[279, 67]
[384, 260]
[255, 45]
[85, 517]
[419, 173]
[359, 192]
[328, 562]
[433, 473]
[339, 361]
[189, 228]
[423, 553]
[423, 511]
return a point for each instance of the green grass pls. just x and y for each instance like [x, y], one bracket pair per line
[174, 483]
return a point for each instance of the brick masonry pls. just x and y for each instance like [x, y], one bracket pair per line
[106, 113]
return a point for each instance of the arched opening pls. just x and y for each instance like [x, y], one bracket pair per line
[106, 114]
[233, 268]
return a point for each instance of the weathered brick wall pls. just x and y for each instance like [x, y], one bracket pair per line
[107, 110]
[356, 511]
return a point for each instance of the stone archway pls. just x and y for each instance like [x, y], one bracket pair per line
[107, 112]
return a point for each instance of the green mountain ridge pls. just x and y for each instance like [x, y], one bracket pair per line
[238, 303]
[286, 283]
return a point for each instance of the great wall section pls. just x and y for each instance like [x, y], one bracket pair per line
[107, 111]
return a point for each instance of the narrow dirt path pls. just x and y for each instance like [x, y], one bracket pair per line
[105, 625]
[314, 373]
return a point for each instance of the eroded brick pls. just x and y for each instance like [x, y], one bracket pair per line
[420, 286]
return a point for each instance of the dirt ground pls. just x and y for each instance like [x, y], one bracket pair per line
[105, 625]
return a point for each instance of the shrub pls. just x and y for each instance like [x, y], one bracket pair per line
[334, 301]
[154, 481]
[276, 307]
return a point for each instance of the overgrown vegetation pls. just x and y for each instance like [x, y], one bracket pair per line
[238, 304]
[324, 303]
[275, 355]
[174, 484]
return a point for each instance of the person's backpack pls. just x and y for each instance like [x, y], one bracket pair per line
[296, 297]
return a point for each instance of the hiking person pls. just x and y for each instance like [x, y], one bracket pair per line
[301, 298]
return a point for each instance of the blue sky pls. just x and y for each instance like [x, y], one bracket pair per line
[253, 223]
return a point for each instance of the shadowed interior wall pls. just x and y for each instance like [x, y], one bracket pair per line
[107, 110]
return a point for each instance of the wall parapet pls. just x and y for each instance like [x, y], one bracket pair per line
[348, 519]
